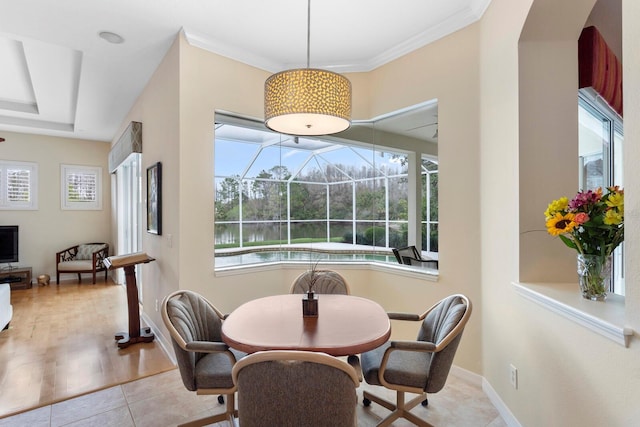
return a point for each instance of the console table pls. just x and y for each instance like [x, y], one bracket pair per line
[18, 278]
[129, 262]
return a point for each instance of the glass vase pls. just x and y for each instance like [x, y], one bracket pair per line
[310, 306]
[594, 274]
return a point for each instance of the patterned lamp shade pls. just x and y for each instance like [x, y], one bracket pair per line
[307, 101]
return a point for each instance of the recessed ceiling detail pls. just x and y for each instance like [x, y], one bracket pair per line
[16, 89]
[38, 85]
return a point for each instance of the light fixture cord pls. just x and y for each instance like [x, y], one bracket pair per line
[308, 30]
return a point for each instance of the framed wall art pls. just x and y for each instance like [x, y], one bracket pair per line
[154, 199]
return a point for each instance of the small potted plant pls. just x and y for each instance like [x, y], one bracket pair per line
[310, 303]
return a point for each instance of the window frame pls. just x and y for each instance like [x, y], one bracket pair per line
[594, 105]
[68, 204]
[5, 203]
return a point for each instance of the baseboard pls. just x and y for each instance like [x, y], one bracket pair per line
[160, 338]
[468, 376]
[504, 411]
[480, 381]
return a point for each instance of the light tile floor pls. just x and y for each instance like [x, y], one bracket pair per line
[161, 400]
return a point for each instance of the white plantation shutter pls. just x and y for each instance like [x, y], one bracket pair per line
[81, 187]
[18, 185]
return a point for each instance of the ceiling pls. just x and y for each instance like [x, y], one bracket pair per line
[58, 77]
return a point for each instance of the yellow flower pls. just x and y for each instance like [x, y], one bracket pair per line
[556, 206]
[616, 200]
[612, 217]
[559, 224]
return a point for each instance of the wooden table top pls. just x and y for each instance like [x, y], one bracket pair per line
[345, 325]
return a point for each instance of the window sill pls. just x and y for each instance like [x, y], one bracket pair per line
[605, 318]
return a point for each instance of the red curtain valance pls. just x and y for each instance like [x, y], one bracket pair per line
[599, 67]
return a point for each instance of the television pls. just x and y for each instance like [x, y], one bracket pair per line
[8, 244]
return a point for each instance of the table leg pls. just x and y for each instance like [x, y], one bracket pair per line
[135, 334]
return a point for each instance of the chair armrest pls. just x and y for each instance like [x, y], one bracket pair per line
[413, 346]
[403, 316]
[207, 346]
[99, 255]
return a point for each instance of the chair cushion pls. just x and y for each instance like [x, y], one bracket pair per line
[408, 368]
[213, 370]
[75, 265]
[86, 251]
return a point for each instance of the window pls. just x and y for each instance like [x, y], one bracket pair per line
[346, 198]
[18, 185]
[81, 187]
[600, 141]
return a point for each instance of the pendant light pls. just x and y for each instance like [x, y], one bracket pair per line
[307, 101]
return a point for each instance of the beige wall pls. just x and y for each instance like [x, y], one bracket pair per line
[49, 229]
[157, 109]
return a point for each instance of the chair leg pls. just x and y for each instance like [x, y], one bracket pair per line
[399, 410]
[227, 415]
[94, 277]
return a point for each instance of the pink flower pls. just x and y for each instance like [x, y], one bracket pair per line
[581, 217]
[585, 198]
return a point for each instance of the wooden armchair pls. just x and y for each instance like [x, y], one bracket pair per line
[83, 258]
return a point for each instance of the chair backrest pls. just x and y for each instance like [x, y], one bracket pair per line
[295, 388]
[407, 251]
[327, 282]
[190, 317]
[443, 325]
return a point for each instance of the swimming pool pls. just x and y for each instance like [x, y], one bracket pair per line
[230, 260]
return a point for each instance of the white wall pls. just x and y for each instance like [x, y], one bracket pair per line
[50, 229]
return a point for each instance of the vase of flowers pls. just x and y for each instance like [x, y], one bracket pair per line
[592, 223]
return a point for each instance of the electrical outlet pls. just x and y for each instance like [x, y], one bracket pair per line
[157, 308]
[513, 376]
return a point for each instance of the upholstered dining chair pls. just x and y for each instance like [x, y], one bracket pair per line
[327, 282]
[421, 366]
[204, 361]
[295, 388]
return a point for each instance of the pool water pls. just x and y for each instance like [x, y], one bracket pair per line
[283, 256]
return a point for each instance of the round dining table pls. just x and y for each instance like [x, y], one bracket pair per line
[345, 325]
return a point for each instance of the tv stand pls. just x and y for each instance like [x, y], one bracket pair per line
[18, 278]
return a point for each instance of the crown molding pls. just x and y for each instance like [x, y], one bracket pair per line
[455, 22]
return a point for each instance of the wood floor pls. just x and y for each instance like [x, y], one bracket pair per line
[61, 344]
